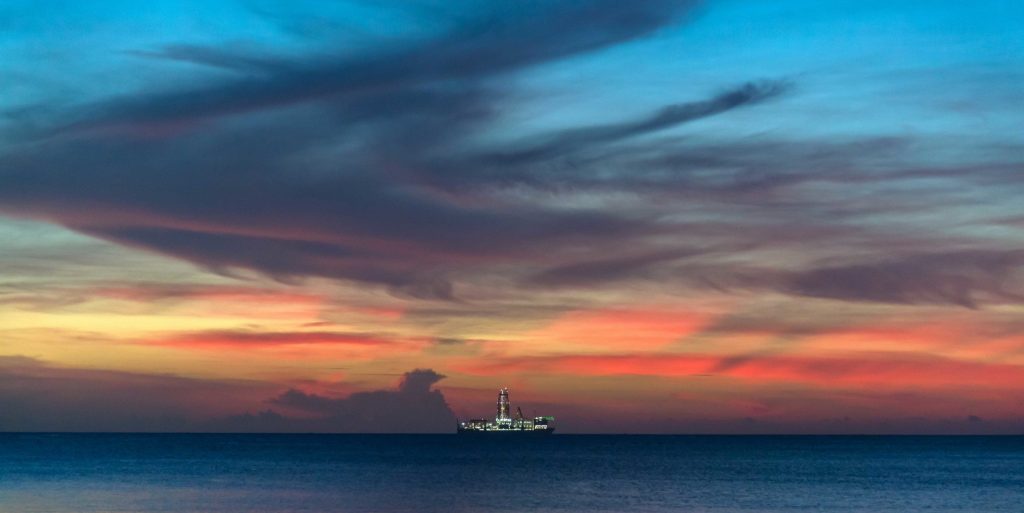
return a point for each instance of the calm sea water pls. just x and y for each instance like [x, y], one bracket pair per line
[562, 473]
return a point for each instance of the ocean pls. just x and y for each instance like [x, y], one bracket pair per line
[84, 473]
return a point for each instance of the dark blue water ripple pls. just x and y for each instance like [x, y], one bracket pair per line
[446, 473]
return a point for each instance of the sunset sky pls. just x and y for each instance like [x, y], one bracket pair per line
[730, 216]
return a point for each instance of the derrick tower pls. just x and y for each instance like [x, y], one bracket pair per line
[503, 406]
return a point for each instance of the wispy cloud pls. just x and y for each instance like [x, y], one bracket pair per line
[887, 370]
[964, 278]
[583, 191]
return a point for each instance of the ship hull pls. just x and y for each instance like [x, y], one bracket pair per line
[509, 432]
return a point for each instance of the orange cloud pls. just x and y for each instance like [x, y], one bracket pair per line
[300, 344]
[617, 330]
[221, 301]
[885, 370]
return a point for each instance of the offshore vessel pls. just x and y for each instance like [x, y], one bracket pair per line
[505, 423]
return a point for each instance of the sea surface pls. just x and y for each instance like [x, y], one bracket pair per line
[108, 473]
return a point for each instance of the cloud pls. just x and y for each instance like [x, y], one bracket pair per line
[211, 57]
[626, 329]
[418, 381]
[963, 278]
[289, 170]
[599, 271]
[412, 408]
[889, 370]
[367, 164]
[503, 37]
[253, 340]
[35, 396]
[887, 271]
[669, 116]
[449, 341]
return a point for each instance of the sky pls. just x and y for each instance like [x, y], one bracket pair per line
[654, 216]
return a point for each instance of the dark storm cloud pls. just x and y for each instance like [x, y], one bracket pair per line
[413, 407]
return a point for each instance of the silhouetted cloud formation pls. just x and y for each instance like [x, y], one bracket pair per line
[412, 408]
[35, 396]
